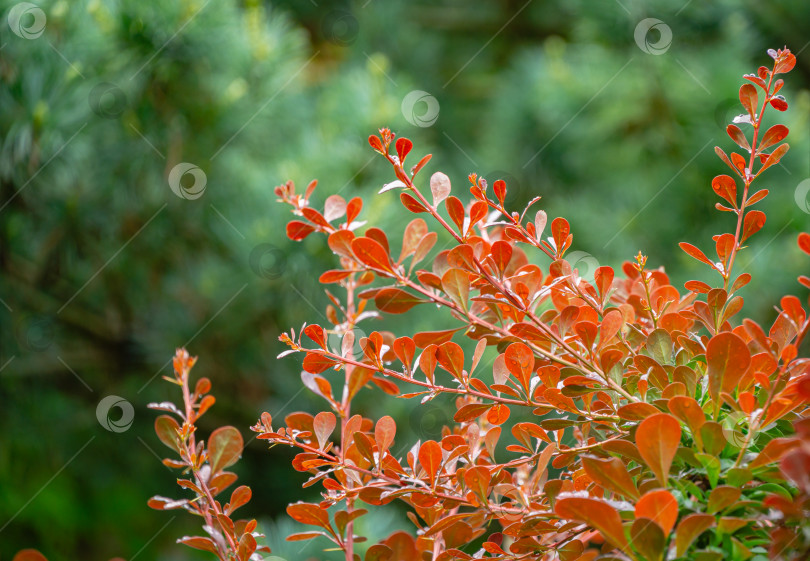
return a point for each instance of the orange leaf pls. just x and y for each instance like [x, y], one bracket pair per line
[595, 513]
[661, 507]
[306, 513]
[323, 425]
[657, 438]
[688, 411]
[754, 221]
[689, 529]
[456, 283]
[728, 358]
[224, 448]
[384, 433]
[455, 208]
[519, 360]
[696, 253]
[773, 451]
[430, 456]
[371, 253]
[395, 300]
[748, 97]
[29, 555]
[451, 358]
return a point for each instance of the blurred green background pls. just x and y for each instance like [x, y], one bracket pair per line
[105, 268]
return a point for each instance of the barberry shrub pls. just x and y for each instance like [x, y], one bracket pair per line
[660, 425]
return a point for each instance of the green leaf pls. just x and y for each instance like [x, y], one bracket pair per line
[648, 539]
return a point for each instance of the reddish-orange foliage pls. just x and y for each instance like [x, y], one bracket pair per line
[651, 409]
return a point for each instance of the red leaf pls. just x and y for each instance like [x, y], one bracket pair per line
[317, 334]
[778, 102]
[353, 208]
[330, 277]
[456, 211]
[197, 542]
[395, 300]
[722, 155]
[477, 480]
[430, 456]
[774, 157]
[411, 203]
[297, 230]
[737, 136]
[692, 251]
[470, 412]
[376, 143]
[456, 284]
[371, 254]
[306, 513]
[478, 211]
[501, 254]
[418, 167]
[804, 242]
[425, 338]
[224, 448]
[657, 439]
[773, 451]
[560, 230]
[34, 555]
[340, 243]
[754, 221]
[240, 497]
[728, 359]
[595, 513]
[661, 507]
[726, 189]
[748, 97]
[404, 348]
[603, 276]
[519, 360]
[773, 135]
[315, 363]
[403, 146]
[323, 425]
[786, 64]
[451, 358]
[384, 433]
[498, 414]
